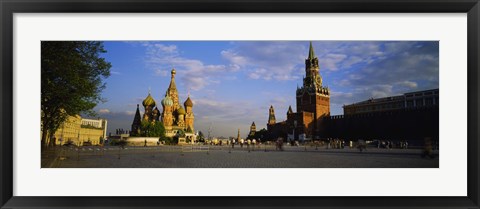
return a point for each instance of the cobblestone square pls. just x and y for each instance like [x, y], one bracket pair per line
[226, 157]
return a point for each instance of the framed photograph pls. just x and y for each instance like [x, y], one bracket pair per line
[194, 104]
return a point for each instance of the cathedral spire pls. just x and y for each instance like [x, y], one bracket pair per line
[137, 115]
[135, 130]
[172, 81]
[172, 91]
[311, 52]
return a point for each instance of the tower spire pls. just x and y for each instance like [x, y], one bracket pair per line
[271, 116]
[135, 130]
[172, 90]
[311, 52]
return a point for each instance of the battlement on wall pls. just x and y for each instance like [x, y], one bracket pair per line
[405, 124]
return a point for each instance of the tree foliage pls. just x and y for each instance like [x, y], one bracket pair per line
[71, 81]
[262, 135]
[152, 129]
[201, 136]
[181, 133]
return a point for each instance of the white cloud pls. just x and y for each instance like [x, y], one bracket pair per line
[260, 74]
[234, 57]
[379, 91]
[168, 49]
[195, 83]
[341, 98]
[387, 69]
[267, 60]
[104, 111]
[161, 72]
[195, 74]
[351, 60]
[211, 103]
[332, 61]
[409, 84]
[130, 112]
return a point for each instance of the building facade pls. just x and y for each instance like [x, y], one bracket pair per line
[81, 131]
[416, 99]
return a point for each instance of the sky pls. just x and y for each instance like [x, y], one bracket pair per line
[233, 83]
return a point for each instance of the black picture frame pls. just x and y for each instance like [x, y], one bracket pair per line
[10, 7]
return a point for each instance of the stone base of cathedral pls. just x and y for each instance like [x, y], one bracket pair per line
[142, 141]
[182, 141]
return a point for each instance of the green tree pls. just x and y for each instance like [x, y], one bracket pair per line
[263, 135]
[71, 81]
[181, 133]
[201, 137]
[155, 129]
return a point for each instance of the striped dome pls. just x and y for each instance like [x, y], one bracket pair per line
[167, 101]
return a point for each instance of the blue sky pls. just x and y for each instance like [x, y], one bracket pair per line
[233, 83]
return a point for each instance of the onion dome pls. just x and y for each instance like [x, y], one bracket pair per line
[188, 102]
[155, 111]
[149, 101]
[181, 111]
[167, 101]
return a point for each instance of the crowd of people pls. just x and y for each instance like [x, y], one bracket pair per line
[331, 143]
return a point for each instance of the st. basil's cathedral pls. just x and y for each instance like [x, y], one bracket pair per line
[174, 117]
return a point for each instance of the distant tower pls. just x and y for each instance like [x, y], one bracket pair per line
[271, 116]
[136, 123]
[253, 130]
[189, 117]
[313, 99]
[238, 136]
[312, 77]
[290, 111]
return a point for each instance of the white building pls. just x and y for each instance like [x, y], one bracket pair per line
[99, 124]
